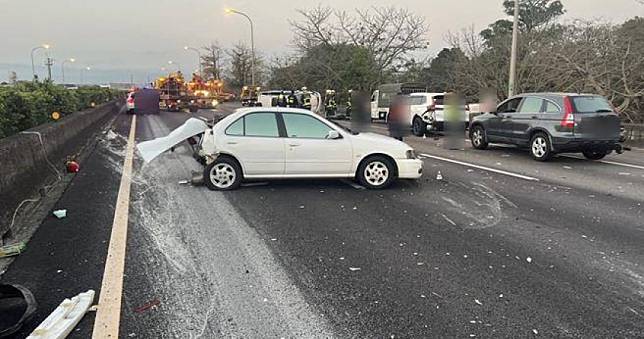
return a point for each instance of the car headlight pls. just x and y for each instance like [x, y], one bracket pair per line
[411, 154]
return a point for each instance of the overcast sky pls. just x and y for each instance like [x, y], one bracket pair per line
[121, 37]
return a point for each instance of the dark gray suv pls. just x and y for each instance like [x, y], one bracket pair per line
[550, 123]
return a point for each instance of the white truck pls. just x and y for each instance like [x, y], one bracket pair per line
[381, 98]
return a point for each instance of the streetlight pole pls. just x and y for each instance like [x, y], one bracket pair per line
[82, 70]
[252, 43]
[513, 56]
[62, 67]
[198, 55]
[33, 67]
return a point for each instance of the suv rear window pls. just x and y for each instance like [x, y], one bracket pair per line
[591, 104]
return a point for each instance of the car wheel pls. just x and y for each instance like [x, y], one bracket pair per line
[478, 137]
[223, 174]
[418, 127]
[540, 147]
[594, 155]
[376, 172]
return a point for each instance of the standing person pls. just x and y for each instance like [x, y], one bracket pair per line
[398, 110]
[291, 100]
[454, 125]
[281, 100]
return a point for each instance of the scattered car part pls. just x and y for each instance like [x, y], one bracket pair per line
[64, 318]
[13, 249]
[152, 148]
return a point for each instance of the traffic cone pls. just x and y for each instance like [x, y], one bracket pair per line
[439, 176]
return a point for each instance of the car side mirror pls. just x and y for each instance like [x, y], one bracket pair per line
[333, 135]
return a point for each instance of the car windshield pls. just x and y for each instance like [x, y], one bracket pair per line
[591, 104]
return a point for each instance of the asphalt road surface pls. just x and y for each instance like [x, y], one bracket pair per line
[500, 247]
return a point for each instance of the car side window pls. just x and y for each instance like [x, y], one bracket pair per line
[304, 126]
[260, 125]
[551, 107]
[509, 106]
[236, 128]
[531, 105]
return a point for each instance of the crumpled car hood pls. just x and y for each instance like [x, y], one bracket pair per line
[152, 148]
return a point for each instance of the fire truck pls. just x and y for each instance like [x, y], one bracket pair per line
[176, 94]
[205, 93]
[248, 95]
[172, 92]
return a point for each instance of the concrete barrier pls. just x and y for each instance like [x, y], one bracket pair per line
[23, 162]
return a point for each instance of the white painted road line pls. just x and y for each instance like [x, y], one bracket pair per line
[108, 315]
[609, 162]
[489, 169]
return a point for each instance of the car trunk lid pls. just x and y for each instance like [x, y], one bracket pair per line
[595, 118]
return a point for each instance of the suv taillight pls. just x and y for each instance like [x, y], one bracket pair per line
[568, 120]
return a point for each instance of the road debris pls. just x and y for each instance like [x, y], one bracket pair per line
[13, 249]
[528, 259]
[151, 304]
[478, 302]
[353, 269]
[184, 182]
[152, 148]
[60, 213]
[65, 317]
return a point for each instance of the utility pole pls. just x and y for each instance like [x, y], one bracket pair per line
[513, 56]
[49, 62]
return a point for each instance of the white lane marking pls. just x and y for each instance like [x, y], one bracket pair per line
[108, 315]
[353, 184]
[489, 169]
[608, 162]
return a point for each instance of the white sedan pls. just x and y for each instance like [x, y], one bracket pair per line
[265, 143]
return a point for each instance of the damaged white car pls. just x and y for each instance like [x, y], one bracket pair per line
[280, 143]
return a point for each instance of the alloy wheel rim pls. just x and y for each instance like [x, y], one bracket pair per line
[539, 147]
[376, 173]
[222, 175]
[478, 137]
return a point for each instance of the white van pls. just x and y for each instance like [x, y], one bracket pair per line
[432, 116]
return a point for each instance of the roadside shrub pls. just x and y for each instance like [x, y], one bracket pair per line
[25, 105]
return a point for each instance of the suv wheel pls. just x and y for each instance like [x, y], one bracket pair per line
[540, 147]
[594, 155]
[375, 172]
[478, 137]
[418, 127]
[223, 174]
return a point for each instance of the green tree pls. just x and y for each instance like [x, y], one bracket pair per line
[535, 13]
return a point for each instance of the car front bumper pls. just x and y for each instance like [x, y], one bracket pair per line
[409, 168]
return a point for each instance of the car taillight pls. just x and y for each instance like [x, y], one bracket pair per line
[130, 100]
[568, 120]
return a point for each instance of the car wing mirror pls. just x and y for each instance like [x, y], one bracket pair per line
[333, 135]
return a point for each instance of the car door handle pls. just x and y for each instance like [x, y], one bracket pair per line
[535, 117]
[294, 145]
[232, 142]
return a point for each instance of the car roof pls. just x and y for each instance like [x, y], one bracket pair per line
[554, 94]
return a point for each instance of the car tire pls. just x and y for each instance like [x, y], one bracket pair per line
[376, 172]
[594, 155]
[540, 148]
[418, 127]
[223, 174]
[478, 137]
